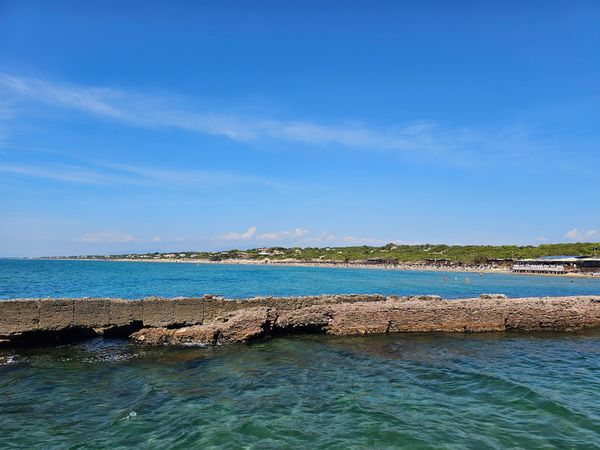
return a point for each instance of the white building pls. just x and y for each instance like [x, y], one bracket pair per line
[557, 265]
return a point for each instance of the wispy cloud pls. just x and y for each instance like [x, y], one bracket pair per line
[418, 138]
[587, 235]
[93, 100]
[187, 177]
[108, 237]
[521, 144]
[298, 235]
[7, 113]
[114, 236]
[103, 173]
[58, 172]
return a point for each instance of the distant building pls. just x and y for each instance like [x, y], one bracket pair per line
[438, 261]
[498, 260]
[558, 265]
[379, 261]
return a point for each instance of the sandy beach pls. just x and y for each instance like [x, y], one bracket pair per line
[481, 269]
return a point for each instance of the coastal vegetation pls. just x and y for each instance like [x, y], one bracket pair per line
[423, 253]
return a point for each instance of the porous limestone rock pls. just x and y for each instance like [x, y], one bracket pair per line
[388, 316]
[212, 320]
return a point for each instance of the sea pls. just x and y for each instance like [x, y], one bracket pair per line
[490, 390]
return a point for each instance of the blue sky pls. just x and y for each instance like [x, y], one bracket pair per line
[143, 126]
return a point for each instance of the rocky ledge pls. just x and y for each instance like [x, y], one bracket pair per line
[391, 315]
[211, 320]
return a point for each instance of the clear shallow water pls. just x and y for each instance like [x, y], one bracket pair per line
[403, 391]
[37, 278]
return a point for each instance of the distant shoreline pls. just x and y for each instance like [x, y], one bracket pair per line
[333, 264]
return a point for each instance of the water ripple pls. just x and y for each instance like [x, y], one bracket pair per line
[415, 391]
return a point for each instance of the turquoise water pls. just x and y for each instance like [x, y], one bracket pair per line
[404, 391]
[497, 390]
[36, 278]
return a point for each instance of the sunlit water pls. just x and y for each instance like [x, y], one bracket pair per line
[37, 278]
[496, 390]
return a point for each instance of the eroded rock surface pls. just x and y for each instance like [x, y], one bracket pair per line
[212, 320]
[39, 321]
[239, 326]
[392, 315]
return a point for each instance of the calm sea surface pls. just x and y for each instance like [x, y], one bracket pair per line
[496, 390]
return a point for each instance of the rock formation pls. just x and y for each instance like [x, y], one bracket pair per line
[211, 320]
[384, 317]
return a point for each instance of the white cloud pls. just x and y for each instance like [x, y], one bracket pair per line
[244, 236]
[270, 236]
[108, 236]
[298, 233]
[333, 239]
[572, 234]
[297, 236]
[155, 239]
[576, 235]
[541, 239]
